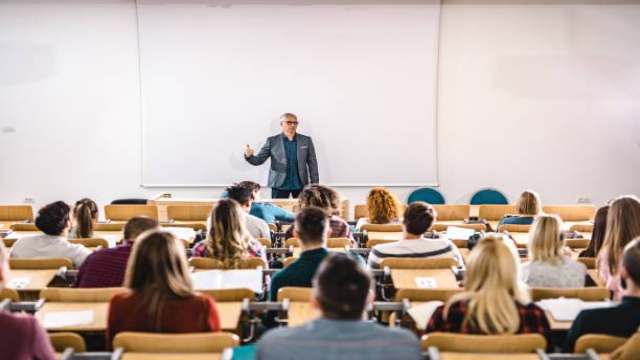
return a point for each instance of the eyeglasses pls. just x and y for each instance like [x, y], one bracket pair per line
[292, 123]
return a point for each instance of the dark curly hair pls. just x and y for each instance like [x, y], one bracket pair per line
[53, 218]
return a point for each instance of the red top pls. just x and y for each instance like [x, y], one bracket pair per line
[23, 338]
[192, 315]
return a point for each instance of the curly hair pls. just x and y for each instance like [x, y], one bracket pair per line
[383, 206]
[320, 196]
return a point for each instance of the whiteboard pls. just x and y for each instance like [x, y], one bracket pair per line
[216, 75]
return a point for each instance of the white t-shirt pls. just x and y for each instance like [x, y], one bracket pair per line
[568, 273]
[419, 248]
[257, 227]
[47, 246]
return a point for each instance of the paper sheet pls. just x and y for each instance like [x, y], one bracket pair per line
[426, 282]
[182, 233]
[457, 233]
[68, 318]
[422, 313]
[19, 282]
[562, 309]
[228, 279]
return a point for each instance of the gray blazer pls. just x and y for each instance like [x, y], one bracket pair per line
[274, 149]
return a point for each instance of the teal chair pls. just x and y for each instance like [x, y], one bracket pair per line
[426, 194]
[489, 196]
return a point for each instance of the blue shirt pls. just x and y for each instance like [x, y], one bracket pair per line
[270, 213]
[517, 220]
[292, 181]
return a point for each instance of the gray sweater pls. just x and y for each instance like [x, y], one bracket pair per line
[337, 340]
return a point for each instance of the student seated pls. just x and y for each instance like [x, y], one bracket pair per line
[264, 210]
[623, 225]
[528, 208]
[22, 337]
[85, 214]
[342, 291]
[418, 218]
[383, 207]
[106, 267]
[53, 220]
[161, 298]
[327, 199]
[621, 320]
[548, 266]
[228, 240]
[597, 236]
[256, 227]
[493, 302]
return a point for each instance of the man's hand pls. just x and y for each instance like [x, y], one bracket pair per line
[248, 151]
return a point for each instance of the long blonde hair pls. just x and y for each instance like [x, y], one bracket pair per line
[158, 272]
[491, 288]
[623, 225]
[545, 239]
[383, 206]
[228, 238]
[529, 203]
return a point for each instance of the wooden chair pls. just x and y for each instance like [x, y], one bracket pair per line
[577, 243]
[211, 264]
[39, 263]
[418, 263]
[382, 228]
[292, 293]
[90, 242]
[588, 228]
[194, 225]
[24, 227]
[452, 212]
[155, 343]
[16, 213]
[360, 211]
[630, 349]
[188, 212]
[272, 227]
[230, 295]
[466, 343]
[590, 262]
[585, 293]
[602, 344]
[63, 340]
[265, 242]
[126, 212]
[373, 242]
[10, 294]
[80, 295]
[571, 212]
[424, 295]
[496, 212]
[331, 242]
[514, 228]
[443, 227]
[288, 261]
[108, 227]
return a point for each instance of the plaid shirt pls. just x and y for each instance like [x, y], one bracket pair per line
[104, 268]
[339, 229]
[532, 320]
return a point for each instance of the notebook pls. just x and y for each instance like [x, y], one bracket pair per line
[228, 279]
[562, 309]
[422, 313]
[67, 318]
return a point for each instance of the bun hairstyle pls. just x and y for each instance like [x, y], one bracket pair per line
[85, 213]
[53, 218]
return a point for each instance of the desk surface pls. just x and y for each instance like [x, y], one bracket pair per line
[38, 279]
[300, 312]
[100, 311]
[405, 278]
[229, 313]
[377, 235]
[297, 251]
[146, 356]
[593, 273]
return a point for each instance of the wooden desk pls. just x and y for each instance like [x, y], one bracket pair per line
[384, 235]
[297, 251]
[229, 313]
[100, 311]
[186, 356]
[521, 238]
[405, 278]
[593, 273]
[464, 252]
[300, 312]
[111, 236]
[39, 279]
[463, 356]
[557, 325]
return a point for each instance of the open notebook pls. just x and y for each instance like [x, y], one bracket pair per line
[228, 279]
[562, 309]
[422, 313]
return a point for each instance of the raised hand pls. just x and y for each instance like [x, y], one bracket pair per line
[248, 151]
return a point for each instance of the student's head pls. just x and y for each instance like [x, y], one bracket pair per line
[136, 226]
[53, 219]
[383, 206]
[529, 203]
[311, 225]
[4, 265]
[320, 196]
[228, 237]
[341, 288]
[623, 225]
[546, 239]
[158, 271]
[253, 187]
[418, 218]
[240, 194]
[599, 229]
[491, 288]
[85, 213]
[630, 273]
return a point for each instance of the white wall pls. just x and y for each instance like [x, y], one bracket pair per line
[530, 96]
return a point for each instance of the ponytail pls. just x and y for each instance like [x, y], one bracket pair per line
[85, 213]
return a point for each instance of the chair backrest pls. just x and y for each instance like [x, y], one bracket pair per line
[272, 227]
[188, 212]
[577, 243]
[39, 263]
[581, 228]
[156, 343]
[418, 263]
[331, 242]
[108, 227]
[126, 212]
[602, 344]
[193, 225]
[452, 212]
[53, 294]
[373, 242]
[423, 295]
[496, 212]
[590, 262]
[90, 242]
[443, 227]
[63, 340]
[288, 261]
[360, 211]
[382, 227]
[584, 293]
[426, 194]
[209, 263]
[519, 343]
[24, 227]
[292, 293]
[230, 295]
[265, 242]
[16, 212]
[514, 228]
[11, 294]
[489, 196]
[571, 212]
[630, 349]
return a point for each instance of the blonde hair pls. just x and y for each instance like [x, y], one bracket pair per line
[491, 288]
[623, 225]
[228, 238]
[383, 206]
[528, 203]
[158, 272]
[545, 239]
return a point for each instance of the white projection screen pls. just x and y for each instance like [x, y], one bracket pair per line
[360, 74]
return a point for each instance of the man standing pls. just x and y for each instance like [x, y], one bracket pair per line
[293, 159]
